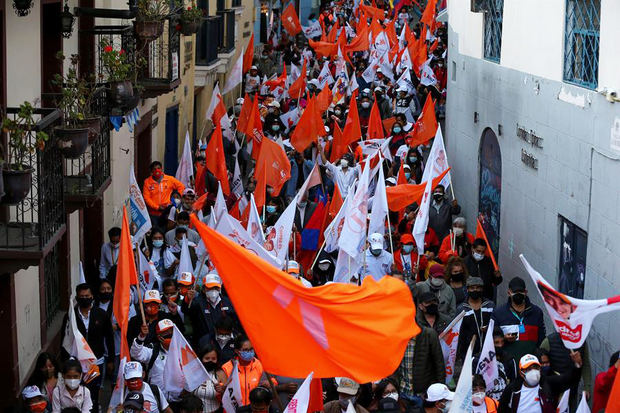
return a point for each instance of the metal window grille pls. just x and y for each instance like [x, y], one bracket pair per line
[581, 42]
[208, 40]
[228, 30]
[51, 267]
[493, 17]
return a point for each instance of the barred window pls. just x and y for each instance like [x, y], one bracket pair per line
[581, 42]
[493, 17]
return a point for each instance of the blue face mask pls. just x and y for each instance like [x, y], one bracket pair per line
[158, 243]
[247, 355]
[270, 209]
[407, 175]
[182, 226]
[275, 128]
[407, 249]
[396, 130]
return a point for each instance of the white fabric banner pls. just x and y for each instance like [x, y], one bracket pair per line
[379, 206]
[563, 406]
[462, 402]
[437, 161]
[185, 170]
[139, 213]
[333, 230]
[278, 236]
[290, 118]
[583, 405]
[449, 340]
[487, 363]
[572, 317]
[75, 343]
[235, 77]
[185, 259]
[355, 222]
[236, 185]
[312, 31]
[219, 207]
[183, 370]
[325, 77]
[300, 401]
[231, 399]
[421, 221]
[427, 76]
[255, 226]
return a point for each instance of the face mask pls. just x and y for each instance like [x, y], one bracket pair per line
[375, 252]
[396, 130]
[344, 401]
[275, 128]
[545, 370]
[432, 309]
[478, 398]
[72, 384]
[157, 174]
[158, 243]
[302, 204]
[407, 249]
[344, 163]
[182, 226]
[152, 309]
[393, 395]
[212, 295]
[223, 339]
[270, 209]
[38, 407]
[134, 385]
[365, 105]
[323, 267]
[407, 175]
[437, 197]
[413, 159]
[437, 282]
[165, 342]
[532, 377]
[210, 365]
[247, 355]
[518, 298]
[477, 256]
[338, 112]
[84, 302]
[176, 202]
[475, 295]
[107, 296]
[457, 231]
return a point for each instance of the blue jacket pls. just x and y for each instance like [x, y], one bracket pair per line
[291, 184]
[531, 334]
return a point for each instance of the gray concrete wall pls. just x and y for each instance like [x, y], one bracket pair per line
[578, 175]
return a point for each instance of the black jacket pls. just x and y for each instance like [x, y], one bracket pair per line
[203, 315]
[441, 221]
[485, 270]
[99, 335]
[133, 329]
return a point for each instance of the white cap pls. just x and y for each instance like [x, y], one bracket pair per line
[274, 103]
[527, 361]
[164, 325]
[212, 280]
[401, 88]
[30, 392]
[293, 267]
[379, 70]
[186, 278]
[240, 101]
[133, 370]
[376, 241]
[438, 391]
[151, 296]
[315, 83]
[254, 68]
[391, 180]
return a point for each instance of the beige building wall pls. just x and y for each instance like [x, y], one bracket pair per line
[28, 318]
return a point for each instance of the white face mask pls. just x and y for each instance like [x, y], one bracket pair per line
[532, 377]
[323, 267]
[223, 339]
[212, 295]
[344, 163]
[393, 395]
[478, 398]
[477, 256]
[457, 231]
[72, 383]
[437, 282]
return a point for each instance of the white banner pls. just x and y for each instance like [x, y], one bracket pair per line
[312, 31]
[231, 399]
[300, 401]
[379, 206]
[183, 370]
[278, 236]
[355, 222]
[255, 226]
[185, 170]
[437, 161]
[449, 340]
[75, 343]
[462, 402]
[139, 213]
[487, 363]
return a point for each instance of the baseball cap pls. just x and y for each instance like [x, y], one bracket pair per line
[186, 278]
[253, 68]
[427, 297]
[347, 386]
[189, 191]
[164, 325]
[133, 370]
[406, 239]
[152, 296]
[240, 101]
[406, 166]
[293, 267]
[475, 282]
[30, 392]
[527, 361]
[376, 241]
[391, 181]
[274, 103]
[401, 89]
[134, 400]
[516, 284]
[438, 391]
[436, 270]
[212, 280]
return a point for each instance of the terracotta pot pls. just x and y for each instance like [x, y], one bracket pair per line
[94, 128]
[72, 142]
[120, 93]
[148, 31]
[17, 185]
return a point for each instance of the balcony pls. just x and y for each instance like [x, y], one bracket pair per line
[160, 73]
[31, 228]
[208, 41]
[227, 43]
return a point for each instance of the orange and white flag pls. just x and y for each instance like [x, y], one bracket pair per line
[183, 369]
[76, 345]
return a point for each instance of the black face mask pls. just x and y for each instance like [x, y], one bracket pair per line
[432, 309]
[210, 365]
[518, 298]
[437, 198]
[84, 302]
[475, 295]
[107, 296]
[459, 276]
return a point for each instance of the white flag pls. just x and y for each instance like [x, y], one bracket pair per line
[278, 236]
[563, 406]
[183, 370]
[325, 77]
[220, 207]
[405, 80]
[82, 276]
[379, 206]
[382, 43]
[76, 345]
[290, 118]
[313, 179]
[236, 186]
[147, 274]
[312, 31]
[231, 399]
[255, 226]
[300, 401]
[235, 77]
[355, 222]
[185, 260]
[487, 363]
[449, 339]
[333, 230]
[427, 76]
[462, 395]
[346, 267]
[295, 73]
[117, 397]
[405, 61]
[421, 221]
[139, 213]
[185, 170]
[216, 99]
[437, 161]
[583, 405]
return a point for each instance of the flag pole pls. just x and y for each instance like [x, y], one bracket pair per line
[390, 232]
[417, 266]
[316, 258]
[274, 392]
[295, 245]
[135, 256]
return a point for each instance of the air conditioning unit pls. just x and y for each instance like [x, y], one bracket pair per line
[479, 6]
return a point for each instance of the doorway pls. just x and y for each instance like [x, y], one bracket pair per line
[490, 191]
[171, 151]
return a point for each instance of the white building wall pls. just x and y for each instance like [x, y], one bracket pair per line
[462, 20]
[609, 63]
[28, 318]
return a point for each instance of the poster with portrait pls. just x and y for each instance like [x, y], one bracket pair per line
[572, 317]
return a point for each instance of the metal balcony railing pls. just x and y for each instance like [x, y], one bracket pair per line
[227, 31]
[236, 3]
[32, 224]
[208, 40]
[160, 73]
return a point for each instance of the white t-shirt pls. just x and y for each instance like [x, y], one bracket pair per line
[379, 266]
[529, 401]
[150, 402]
[480, 409]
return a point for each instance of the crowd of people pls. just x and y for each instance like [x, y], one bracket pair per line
[453, 277]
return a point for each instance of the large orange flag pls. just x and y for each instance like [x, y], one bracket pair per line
[324, 99]
[400, 196]
[428, 16]
[373, 12]
[375, 126]
[360, 42]
[273, 163]
[335, 204]
[284, 319]
[401, 179]
[299, 85]
[290, 21]
[126, 276]
[324, 49]
[309, 127]
[244, 115]
[352, 130]
[216, 161]
[426, 126]
[613, 403]
[331, 37]
[248, 56]
[339, 147]
[255, 129]
[481, 234]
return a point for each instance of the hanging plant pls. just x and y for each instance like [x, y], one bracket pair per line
[22, 7]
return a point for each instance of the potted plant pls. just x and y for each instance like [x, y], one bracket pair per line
[22, 7]
[23, 141]
[149, 24]
[189, 20]
[118, 71]
[73, 135]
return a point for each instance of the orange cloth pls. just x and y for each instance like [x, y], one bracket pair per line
[400, 196]
[360, 42]
[481, 234]
[324, 49]
[428, 16]
[309, 127]
[375, 126]
[216, 161]
[290, 21]
[446, 251]
[426, 126]
[249, 377]
[299, 85]
[245, 115]
[248, 55]
[284, 319]
[352, 130]
[157, 194]
[274, 165]
[339, 147]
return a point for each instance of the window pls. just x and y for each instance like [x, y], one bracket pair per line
[493, 16]
[581, 42]
[573, 248]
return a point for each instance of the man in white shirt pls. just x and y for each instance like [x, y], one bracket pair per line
[345, 174]
[379, 262]
[154, 400]
[109, 252]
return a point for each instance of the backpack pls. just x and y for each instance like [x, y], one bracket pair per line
[155, 391]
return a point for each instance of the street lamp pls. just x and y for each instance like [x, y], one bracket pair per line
[67, 19]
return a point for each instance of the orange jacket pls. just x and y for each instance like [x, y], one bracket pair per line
[445, 251]
[249, 377]
[157, 194]
[398, 260]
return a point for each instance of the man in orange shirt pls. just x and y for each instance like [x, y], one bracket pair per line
[157, 190]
